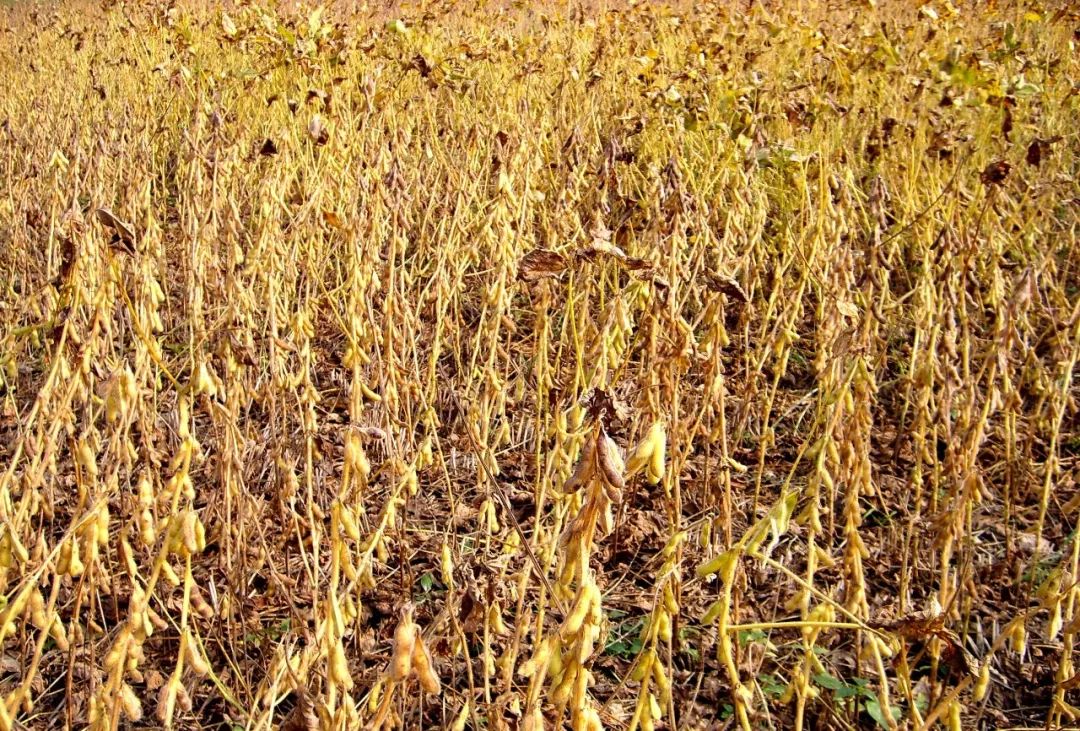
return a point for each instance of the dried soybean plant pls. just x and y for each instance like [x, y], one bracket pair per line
[561, 662]
[300, 310]
[411, 657]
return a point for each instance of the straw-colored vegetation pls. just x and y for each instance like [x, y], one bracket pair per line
[522, 368]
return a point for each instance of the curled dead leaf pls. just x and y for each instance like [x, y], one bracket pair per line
[373, 432]
[320, 96]
[303, 716]
[726, 285]
[228, 26]
[421, 65]
[123, 237]
[930, 624]
[1029, 544]
[318, 131]
[958, 658]
[915, 626]
[541, 263]
[1038, 149]
[995, 173]
[599, 232]
[599, 247]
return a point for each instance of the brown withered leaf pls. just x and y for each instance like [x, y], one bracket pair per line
[540, 263]
[955, 655]
[602, 406]
[1028, 544]
[123, 238]
[663, 286]
[1038, 148]
[599, 232]
[929, 624]
[318, 131]
[268, 147]
[599, 404]
[592, 251]
[470, 609]
[995, 173]
[303, 716]
[915, 626]
[319, 95]
[1034, 154]
[422, 65]
[726, 285]
[599, 247]
[373, 432]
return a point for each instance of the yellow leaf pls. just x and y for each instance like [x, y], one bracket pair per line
[315, 21]
[228, 25]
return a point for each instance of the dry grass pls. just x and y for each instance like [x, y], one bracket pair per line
[520, 368]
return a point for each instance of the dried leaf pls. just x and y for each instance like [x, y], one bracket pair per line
[422, 66]
[1034, 154]
[1038, 148]
[597, 247]
[955, 655]
[1030, 544]
[929, 624]
[373, 432]
[123, 236]
[268, 148]
[995, 173]
[726, 285]
[541, 263]
[318, 131]
[303, 716]
[635, 264]
[228, 26]
[320, 95]
[599, 232]
[604, 407]
[915, 626]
